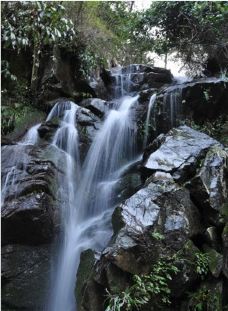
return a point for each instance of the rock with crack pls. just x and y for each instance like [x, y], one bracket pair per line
[178, 152]
[96, 105]
[157, 221]
[29, 207]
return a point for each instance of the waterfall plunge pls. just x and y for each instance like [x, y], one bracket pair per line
[150, 108]
[18, 160]
[87, 222]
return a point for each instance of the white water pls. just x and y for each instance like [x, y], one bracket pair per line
[150, 108]
[123, 81]
[87, 222]
[18, 160]
[32, 136]
[66, 139]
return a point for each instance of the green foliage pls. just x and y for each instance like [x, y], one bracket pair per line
[6, 74]
[202, 264]
[29, 23]
[194, 29]
[204, 299]
[152, 287]
[211, 128]
[157, 236]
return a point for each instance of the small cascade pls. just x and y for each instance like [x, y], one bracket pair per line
[18, 161]
[32, 136]
[173, 105]
[123, 83]
[150, 108]
[59, 109]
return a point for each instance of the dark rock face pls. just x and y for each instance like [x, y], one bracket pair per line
[88, 124]
[30, 220]
[29, 205]
[25, 270]
[200, 100]
[165, 218]
[59, 77]
[136, 78]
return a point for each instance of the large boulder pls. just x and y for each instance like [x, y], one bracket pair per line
[98, 106]
[156, 222]
[29, 195]
[198, 101]
[178, 152]
[166, 220]
[135, 78]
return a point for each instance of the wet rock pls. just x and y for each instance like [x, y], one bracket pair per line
[208, 296]
[187, 274]
[212, 237]
[161, 206]
[25, 273]
[96, 105]
[48, 129]
[215, 261]
[28, 194]
[87, 124]
[187, 101]
[84, 273]
[209, 187]
[6, 141]
[166, 217]
[179, 152]
[59, 76]
[86, 117]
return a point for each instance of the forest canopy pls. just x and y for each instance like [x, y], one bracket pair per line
[105, 30]
[95, 34]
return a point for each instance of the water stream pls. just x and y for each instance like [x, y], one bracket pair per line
[150, 108]
[87, 205]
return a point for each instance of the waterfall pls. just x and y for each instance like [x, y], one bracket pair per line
[173, 104]
[18, 161]
[150, 108]
[123, 81]
[87, 223]
[31, 137]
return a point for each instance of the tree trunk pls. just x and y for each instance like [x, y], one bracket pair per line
[35, 68]
[166, 60]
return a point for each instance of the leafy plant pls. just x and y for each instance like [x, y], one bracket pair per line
[157, 236]
[35, 24]
[202, 264]
[144, 289]
[204, 299]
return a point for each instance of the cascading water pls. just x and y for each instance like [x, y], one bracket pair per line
[173, 104]
[65, 139]
[18, 161]
[150, 108]
[123, 83]
[31, 137]
[87, 211]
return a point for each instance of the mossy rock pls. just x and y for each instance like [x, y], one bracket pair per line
[207, 297]
[85, 271]
[215, 262]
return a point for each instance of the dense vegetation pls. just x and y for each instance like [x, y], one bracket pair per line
[100, 34]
